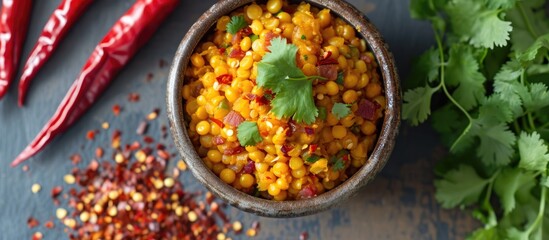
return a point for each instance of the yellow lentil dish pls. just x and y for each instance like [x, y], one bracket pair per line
[236, 114]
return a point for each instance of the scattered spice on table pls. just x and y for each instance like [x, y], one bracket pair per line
[49, 224]
[14, 22]
[35, 188]
[90, 135]
[37, 236]
[32, 222]
[120, 44]
[134, 97]
[76, 158]
[57, 26]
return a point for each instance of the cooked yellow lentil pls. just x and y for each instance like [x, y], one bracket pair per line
[280, 166]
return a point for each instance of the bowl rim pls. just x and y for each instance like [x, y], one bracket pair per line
[270, 208]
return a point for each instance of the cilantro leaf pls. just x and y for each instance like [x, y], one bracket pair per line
[508, 183]
[462, 186]
[339, 165]
[505, 4]
[536, 98]
[484, 234]
[340, 78]
[539, 47]
[417, 104]
[463, 71]
[278, 71]
[481, 27]
[533, 152]
[248, 134]
[322, 113]
[496, 144]
[529, 20]
[493, 111]
[425, 67]
[236, 23]
[421, 9]
[312, 158]
[341, 110]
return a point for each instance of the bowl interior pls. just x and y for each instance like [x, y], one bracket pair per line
[377, 159]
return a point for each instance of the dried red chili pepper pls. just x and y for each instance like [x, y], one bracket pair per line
[54, 31]
[14, 22]
[127, 36]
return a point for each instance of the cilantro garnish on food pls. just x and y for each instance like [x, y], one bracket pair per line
[236, 23]
[490, 66]
[341, 110]
[278, 71]
[248, 134]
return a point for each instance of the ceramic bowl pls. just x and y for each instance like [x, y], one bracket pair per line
[377, 158]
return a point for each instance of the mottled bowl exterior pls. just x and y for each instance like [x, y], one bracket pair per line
[259, 206]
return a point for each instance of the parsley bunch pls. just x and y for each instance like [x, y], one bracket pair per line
[490, 69]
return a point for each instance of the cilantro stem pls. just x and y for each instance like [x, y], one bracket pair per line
[306, 78]
[529, 116]
[541, 212]
[447, 93]
[527, 21]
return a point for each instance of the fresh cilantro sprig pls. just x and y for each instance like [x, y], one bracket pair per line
[248, 134]
[491, 65]
[237, 22]
[278, 71]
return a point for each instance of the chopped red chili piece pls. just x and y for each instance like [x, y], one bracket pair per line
[120, 44]
[234, 151]
[292, 128]
[14, 22]
[249, 167]
[148, 139]
[308, 191]
[327, 59]
[49, 224]
[218, 140]
[218, 122]
[237, 53]
[233, 118]
[309, 131]
[90, 135]
[57, 26]
[134, 97]
[225, 79]
[328, 71]
[304, 236]
[246, 31]
[367, 109]
[286, 149]
[312, 148]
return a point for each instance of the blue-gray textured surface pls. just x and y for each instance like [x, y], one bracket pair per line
[399, 204]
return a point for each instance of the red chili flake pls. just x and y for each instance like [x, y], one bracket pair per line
[222, 50]
[162, 63]
[312, 148]
[268, 37]
[225, 79]
[249, 167]
[116, 110]
[148, 139]
[90, 135]
[49, 224]
[76, 158]
[326, 59]
[309, 131]
[218, 122]
[234, 151]
[218, 140]
[286, 149]
[32, 222]
[37, 236]
[99, 152]
[142, 128]
[328, 71]
[304, 236]
[345, 157]
[149, 77]
[367, 109]
[56, 191]
[163, 154]
[262, 101]
[246, 31]
[134, 97]
[237, 38]
[292, 128]
[164, 131]
[237, 53]
[115, 139]
[25, 168]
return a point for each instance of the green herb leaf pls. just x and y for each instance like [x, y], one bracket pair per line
[425, 67]
[322, 113]
[254, 37]
[484, 234]
[340, 78]
[480, 26]
[508, 183]
[339, 165]
[417, 104]
[533, 152]
[341, 110]
[463, 71]
[278, 71]
[312, 159]
[462, 186]
[496, 144]
[236, 23]
[248, 134]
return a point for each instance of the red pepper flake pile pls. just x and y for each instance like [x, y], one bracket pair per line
[131, 197]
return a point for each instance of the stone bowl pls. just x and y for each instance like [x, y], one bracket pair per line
[270, 208]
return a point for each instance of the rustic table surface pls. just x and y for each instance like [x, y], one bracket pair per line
[399, 204]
